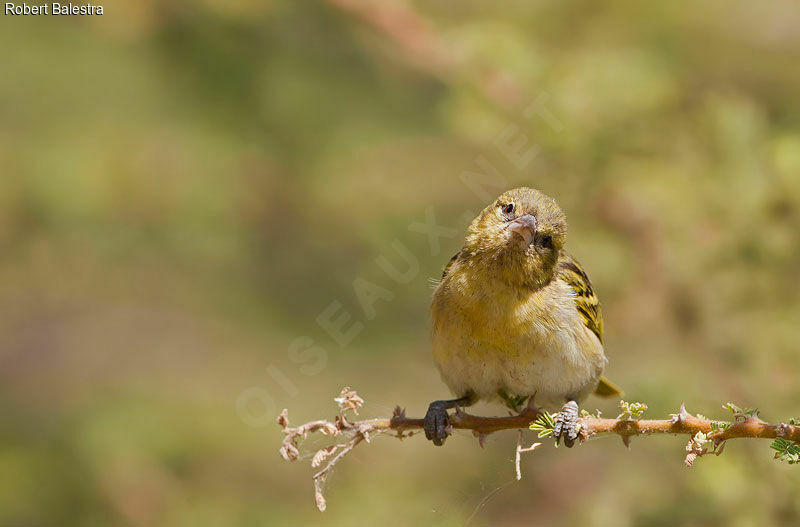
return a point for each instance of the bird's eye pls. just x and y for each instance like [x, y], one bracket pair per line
[508, 209]
[547, 242]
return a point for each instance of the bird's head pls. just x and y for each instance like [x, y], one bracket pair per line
[520, 235]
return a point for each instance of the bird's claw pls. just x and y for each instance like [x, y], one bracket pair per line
[437, 423]
[567, 424]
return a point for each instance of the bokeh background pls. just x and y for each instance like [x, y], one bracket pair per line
[186, 186]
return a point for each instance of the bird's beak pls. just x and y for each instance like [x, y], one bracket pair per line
[524, 226]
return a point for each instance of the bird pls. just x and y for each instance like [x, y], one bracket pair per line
[515, 316]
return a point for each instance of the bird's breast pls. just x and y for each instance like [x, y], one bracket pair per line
[520, 342]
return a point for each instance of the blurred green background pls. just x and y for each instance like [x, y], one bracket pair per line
[187, 186]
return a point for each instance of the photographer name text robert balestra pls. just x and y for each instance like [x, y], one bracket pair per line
[52, 9]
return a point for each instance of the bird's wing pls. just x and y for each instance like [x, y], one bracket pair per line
[586, 302]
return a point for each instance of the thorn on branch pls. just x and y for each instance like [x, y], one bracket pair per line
[681, 416]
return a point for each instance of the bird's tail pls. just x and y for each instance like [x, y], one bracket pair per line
[606, 388]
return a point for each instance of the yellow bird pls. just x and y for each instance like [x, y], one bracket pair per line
[515, 316]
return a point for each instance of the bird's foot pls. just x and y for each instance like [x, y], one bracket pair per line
[567, 424]
[437, 423]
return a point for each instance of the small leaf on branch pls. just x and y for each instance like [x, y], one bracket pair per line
[740, 413]
[786, 451]
[544, 424]
[631, 411]
[719, 426]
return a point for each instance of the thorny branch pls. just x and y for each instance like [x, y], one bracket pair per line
[706, 436]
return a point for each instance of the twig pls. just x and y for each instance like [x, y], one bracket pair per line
[703, 432]
[520, 451]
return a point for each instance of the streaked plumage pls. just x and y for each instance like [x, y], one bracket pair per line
[586, 302]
